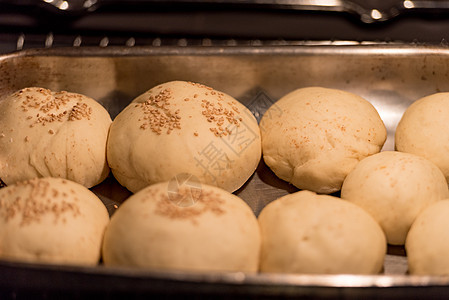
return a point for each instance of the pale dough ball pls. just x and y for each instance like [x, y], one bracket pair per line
[218, 232]
[319, 234]
[424, 130]
[394, 187]
[184, 127]
[53, 134]
[51, 220]
[427, 243]
[313, 137]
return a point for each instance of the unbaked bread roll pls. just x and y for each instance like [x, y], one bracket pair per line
[424, 130]
[218, 232]
[53, 134]
[51, 220]
[313, 137]
[184, 127]
[427, 243]
[394, 187]
[308, 233]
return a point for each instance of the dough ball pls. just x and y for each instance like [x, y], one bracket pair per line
[313, 137]
[51, 220]
[394, 187]
[53, 134]
[427, 242]
[217, 232]
[424, 130]
[308, 233]
[184, 127]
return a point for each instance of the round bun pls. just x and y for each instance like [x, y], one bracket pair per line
[313, 137]
[184, 127]
[424, 123]
[394, 187]
[308, 233]
[217, 232]
[53, 134]
[51, 220]
[427, 242]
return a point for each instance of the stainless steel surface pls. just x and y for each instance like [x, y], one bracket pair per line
[391, 77]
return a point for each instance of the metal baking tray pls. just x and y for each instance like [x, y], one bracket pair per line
[390, 76]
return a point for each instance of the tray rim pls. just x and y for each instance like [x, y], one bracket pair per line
[267, 48]
[237, 278]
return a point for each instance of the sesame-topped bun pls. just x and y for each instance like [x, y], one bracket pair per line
[157, 228]
[53, 134]
[51, 220]
[313, 137]
[306, 233]
[184, 127]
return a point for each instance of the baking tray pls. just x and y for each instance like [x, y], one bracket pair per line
[390, 76]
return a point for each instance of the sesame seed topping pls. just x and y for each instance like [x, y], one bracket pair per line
[218, 115]
[80, 111]
[199, 85]
[207, 201]
[33, 207]
[157, 113]
[48, 106]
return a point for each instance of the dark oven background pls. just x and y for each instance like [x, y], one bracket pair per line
[45, 23]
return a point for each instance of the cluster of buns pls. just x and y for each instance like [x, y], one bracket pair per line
[326, 140]
[176, 127]
[55, 220]
[422, 131]
[56, 145]
[182, 148]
